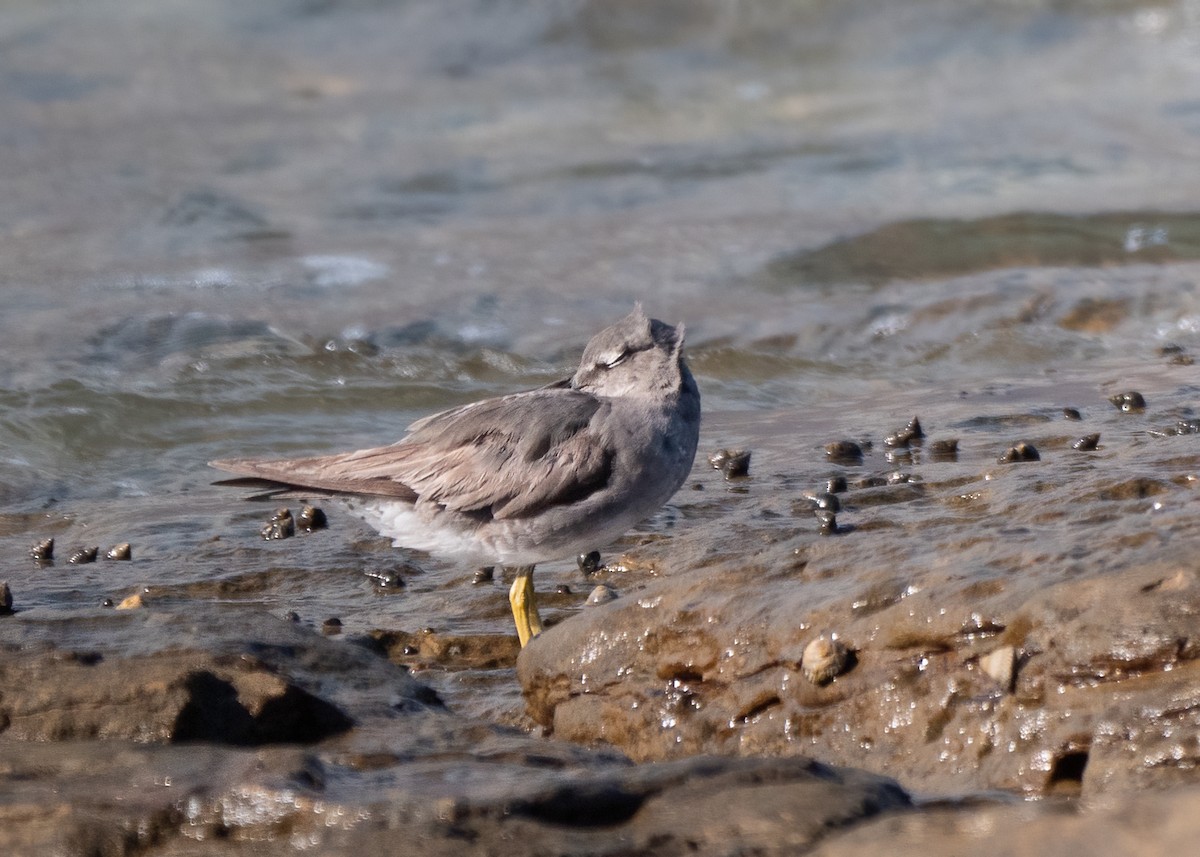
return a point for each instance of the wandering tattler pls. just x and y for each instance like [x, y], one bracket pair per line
[525, 478]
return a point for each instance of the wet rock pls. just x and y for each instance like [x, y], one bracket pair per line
[486, 574]
[1087, 443]
[844, 452]
[826, 522]
[148, 677]
[1019, 452]
[43, 551]
[824, 659]
[132, 602]
[312, 518]
[1072, 414]
[439, 784]
[6, 599]
[602, 594]
[122, 552]
[1145, 825]
[281, 526]
[734, 463]
[1129, 402]
[331, 626]
[84, 556]
[1103, 695]
[836, 485]
[449, 651]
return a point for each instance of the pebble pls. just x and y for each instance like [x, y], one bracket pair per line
[836, 485]
[1129, 402]
[1072, 414]
[1001, 665]
[1020, 452]
[827, 522]
[1087, 443]
[292, 616]
[122, 552]
[133, 602]
[43, 551]
[562, 589]
[824, 659]
[84, 556]
[281, 526]
[486, 574]
[6, 599]
[602, 594]
[332, 625]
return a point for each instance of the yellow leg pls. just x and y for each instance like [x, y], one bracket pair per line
[524, 605]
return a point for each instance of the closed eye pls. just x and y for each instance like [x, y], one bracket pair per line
[618, 360]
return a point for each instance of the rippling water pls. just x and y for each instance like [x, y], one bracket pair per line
[296, 227]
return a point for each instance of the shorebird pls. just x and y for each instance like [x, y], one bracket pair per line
[529, 477]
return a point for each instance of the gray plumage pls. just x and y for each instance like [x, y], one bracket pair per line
[528, 477]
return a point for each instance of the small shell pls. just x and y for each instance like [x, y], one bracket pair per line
[589, 563]
[734, 463]
[1129, 402]
[387, 579]
[43, 551]
[120, 552]
[1087, 443]
[84, 556]
[824, 659]
[1001, 665]
[312, 518]
[828, 501]
[910, 434]
[602, 594]
[844, 451]
[281, 526]
[1020, 452]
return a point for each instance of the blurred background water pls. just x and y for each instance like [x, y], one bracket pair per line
[294, 226]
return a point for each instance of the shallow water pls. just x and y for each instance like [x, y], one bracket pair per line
[299, 227]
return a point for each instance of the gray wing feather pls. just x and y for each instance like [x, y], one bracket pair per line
[507, 457]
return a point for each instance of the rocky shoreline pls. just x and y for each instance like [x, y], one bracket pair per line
[150, 734]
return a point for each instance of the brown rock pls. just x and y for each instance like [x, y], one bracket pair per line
[1102, 702]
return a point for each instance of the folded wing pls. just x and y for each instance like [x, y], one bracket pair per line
[503, 458]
